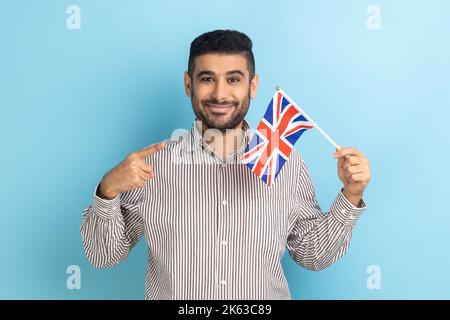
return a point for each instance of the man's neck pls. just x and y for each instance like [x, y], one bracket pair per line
[223, 142]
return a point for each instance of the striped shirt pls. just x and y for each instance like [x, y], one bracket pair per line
[214, 230]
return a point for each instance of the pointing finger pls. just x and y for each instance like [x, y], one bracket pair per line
[151, 149]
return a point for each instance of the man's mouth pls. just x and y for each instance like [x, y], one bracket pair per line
[219, 108]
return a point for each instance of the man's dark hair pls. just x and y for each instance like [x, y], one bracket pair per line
[222, 42]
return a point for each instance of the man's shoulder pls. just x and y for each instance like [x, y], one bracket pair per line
[295, 158]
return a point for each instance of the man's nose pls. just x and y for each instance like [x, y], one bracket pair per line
[220, 91]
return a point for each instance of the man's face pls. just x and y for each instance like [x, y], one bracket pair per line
[221, 89]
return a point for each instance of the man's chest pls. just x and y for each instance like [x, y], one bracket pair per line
[202, 203]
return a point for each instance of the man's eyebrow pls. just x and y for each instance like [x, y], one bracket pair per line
[205, 73]
[210, 73]
[236, 72]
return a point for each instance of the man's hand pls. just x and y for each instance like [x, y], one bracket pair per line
[354, 172]
[133, 172]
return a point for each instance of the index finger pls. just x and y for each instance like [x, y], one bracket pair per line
[350, 151]
[151, 149]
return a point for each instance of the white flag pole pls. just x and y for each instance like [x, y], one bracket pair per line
[309, 118]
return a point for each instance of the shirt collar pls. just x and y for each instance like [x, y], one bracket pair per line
[198, 144]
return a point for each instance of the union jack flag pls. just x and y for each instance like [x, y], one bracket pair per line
[283, 123]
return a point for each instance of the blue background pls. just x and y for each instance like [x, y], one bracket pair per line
[75, 102]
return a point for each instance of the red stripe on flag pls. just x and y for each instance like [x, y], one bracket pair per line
[269, 172]
[278, 107]
[248, 154]
[299, 127]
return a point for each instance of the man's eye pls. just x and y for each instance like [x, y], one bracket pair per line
[234, 80]
[207, 79]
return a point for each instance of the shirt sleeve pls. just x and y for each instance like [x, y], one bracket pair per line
[110, 228]
[318, 239]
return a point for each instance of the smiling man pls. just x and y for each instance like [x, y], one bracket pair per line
[213, 228]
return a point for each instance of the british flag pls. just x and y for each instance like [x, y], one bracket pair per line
[283, 123]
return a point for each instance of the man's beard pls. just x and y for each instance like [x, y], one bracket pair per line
[212, 121]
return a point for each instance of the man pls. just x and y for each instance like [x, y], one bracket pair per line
[214, 230]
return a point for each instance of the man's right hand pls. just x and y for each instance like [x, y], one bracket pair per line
[133, 172]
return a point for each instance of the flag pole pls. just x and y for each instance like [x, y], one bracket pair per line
[310, 119]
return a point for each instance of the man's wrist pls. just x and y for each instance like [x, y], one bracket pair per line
[353, 199]
[105, 194]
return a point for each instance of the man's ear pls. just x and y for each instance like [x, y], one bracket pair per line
[187, 84]
[254, 86]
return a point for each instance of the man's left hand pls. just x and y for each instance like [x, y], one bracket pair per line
[354, 172]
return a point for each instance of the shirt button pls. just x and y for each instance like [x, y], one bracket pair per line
[223, 165]
[224, 243]
[223, 282]
[343, 211]
[224, 202]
